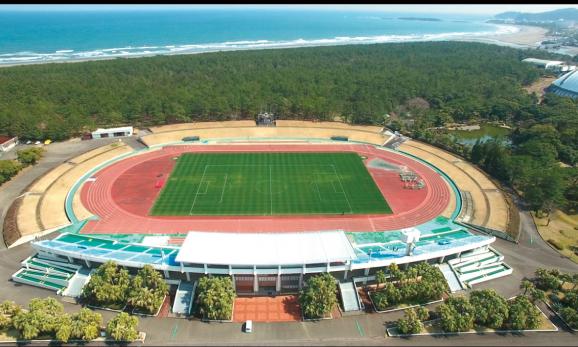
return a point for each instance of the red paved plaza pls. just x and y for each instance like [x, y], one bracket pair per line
[282, 308]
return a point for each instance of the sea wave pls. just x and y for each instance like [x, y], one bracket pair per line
[130, 51]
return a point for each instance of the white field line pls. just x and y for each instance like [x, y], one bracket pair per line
[224, 185]
[344, 194]
[198, 188]
[271, 189]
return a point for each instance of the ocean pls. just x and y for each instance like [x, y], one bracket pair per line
[33, 37]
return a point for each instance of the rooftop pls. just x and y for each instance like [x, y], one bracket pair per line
[266, 248]
[5, 138]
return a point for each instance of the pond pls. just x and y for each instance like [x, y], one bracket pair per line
[485, 133]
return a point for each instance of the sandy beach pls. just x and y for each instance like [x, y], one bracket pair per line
[525, 37]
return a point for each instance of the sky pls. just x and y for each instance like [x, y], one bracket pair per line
[424, 8]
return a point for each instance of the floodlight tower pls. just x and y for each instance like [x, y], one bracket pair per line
[410, 236]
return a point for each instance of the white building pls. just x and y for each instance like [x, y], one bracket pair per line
[112, 132]
[551, 65]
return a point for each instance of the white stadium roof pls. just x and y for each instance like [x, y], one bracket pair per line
[265, 248]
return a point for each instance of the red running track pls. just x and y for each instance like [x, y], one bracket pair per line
[123, 193]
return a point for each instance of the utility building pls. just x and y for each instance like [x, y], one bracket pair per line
[112, 132]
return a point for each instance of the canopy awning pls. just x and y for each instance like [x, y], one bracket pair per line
[265, 248]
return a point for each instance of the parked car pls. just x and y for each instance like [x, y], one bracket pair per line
[249, 326]
[28, 142]
[37, 142]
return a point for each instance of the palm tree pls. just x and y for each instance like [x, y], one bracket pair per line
[537, 294]
[380, 278]
[526, 286]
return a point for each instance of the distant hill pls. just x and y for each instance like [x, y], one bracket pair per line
[568, 14]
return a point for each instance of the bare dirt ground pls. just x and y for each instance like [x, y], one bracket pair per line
[539, 86]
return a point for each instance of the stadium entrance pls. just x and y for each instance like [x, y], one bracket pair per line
[266, 284]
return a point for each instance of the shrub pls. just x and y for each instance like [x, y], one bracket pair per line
[30, 156]
[8, 169]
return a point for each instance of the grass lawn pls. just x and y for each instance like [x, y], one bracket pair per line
[562, 229]
[265, 184]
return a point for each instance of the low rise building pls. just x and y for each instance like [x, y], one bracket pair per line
[550, 65]
[7, 143]
[112, 132]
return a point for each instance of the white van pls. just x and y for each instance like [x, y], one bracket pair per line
[249, 326]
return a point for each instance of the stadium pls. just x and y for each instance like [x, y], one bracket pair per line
[267, 205]
[566, 85]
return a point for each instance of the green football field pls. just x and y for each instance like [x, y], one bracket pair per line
[269, 184]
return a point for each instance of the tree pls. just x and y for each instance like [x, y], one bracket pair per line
[523, 314]
[536, 294]
[526, 286]
[547, 279]
[422, 313]
[85, 325]
[380, 278]
[148, 290]
[318, 298]
[394, 271]
[8, 309]
[457, 314]
[44, 317]
[490, 309]
[410, 323]
[123, 327]
[216, 297]
[108, 286]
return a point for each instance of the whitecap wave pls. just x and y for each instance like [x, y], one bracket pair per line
[131, 51]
